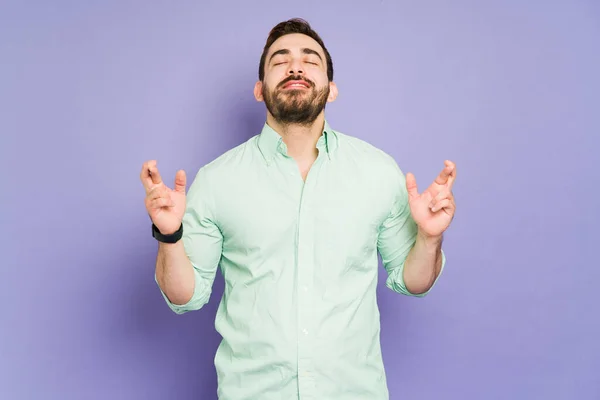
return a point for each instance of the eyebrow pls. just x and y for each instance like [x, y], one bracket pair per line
[305, 50]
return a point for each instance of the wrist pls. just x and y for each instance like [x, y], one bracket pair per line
[170, 238]
[429, 240]
[166, 232]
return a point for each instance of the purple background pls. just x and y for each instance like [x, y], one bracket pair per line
[507, 89]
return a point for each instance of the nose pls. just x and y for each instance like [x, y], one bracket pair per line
[296, 68]
[294, 71]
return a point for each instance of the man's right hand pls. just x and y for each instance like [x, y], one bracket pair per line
[164, 205]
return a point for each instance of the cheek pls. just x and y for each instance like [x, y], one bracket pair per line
[319, 78]
[322, 85]
[273, 80]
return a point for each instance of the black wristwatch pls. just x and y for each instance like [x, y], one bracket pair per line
[172, 238]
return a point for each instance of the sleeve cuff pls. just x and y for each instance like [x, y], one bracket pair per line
[198, 299]
[399, 286]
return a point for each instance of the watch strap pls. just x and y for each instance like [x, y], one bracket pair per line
[172, 238]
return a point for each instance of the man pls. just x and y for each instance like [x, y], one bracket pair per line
[295, 217]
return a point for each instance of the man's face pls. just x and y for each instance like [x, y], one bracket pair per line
[295, 88]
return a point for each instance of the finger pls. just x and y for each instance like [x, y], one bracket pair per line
[452, 176]
[154, 174]
[411, 186]
[446, 204]
[442, 178]
[444, 194]
[180, 181]
[145, 174]
[161, 202]
[157, 192]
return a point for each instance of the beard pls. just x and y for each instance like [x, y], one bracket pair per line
[295, 106]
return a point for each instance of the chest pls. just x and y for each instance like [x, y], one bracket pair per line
[329, 209]
[304, 167]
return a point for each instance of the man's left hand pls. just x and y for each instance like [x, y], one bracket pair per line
[433, 210]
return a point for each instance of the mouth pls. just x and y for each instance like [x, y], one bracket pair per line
[296, 84]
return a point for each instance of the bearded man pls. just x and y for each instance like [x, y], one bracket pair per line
[296, 217]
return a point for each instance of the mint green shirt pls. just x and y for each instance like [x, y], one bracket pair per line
[298, 316]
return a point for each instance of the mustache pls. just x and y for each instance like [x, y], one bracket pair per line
[296, 78]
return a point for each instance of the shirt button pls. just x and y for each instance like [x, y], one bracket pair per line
[305, 289]
[305, 331]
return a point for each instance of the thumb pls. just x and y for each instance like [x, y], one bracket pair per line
[180, 181]
[411, 186]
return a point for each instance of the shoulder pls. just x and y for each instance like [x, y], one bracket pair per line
[229, 163]
[370, 156]
[222, 171]
[375, 168]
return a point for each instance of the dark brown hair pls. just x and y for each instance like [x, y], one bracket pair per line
[294, 25]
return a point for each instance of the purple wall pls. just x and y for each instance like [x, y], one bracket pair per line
[507, 89]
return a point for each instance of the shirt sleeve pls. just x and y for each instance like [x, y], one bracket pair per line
[202, 240]
[397, 236]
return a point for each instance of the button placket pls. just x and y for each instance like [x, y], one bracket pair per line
[305, 271]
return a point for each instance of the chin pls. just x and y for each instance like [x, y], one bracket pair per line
[295, 92]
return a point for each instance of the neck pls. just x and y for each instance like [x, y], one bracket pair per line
[300, 139]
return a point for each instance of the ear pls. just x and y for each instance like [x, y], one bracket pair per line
[258, 91]
[333, 92]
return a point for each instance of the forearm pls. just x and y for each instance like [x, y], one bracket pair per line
[174, 272]
[423, 263]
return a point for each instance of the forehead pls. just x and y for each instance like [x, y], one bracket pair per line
[295, 42]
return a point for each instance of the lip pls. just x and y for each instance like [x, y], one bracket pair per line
[297, 84]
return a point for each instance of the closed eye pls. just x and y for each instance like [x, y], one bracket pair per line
[313, 57]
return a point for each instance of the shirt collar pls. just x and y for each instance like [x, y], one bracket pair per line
[270, 142]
